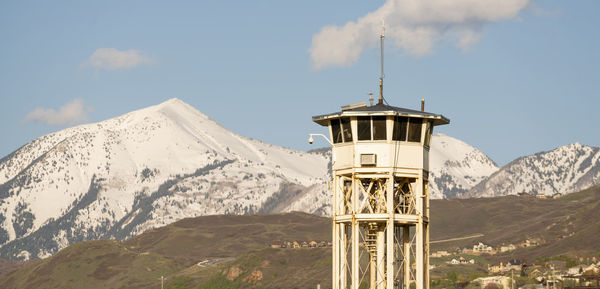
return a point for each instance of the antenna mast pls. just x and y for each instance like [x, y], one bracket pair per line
[381, 37]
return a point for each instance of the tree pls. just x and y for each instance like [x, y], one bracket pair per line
[452, 276]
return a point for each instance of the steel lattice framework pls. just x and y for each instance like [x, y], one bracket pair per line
[380, 165]
[380, 230]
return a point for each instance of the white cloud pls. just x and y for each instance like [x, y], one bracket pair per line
[111, 58]
[72, 113]
[413, 25]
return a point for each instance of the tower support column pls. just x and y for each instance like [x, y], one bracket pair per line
[355, 254]
[406, 244]
[355, 237]
[390, 202]
[380, 258]
[342, 251]
[420, 233]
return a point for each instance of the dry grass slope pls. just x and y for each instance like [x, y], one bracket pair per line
[567, 226]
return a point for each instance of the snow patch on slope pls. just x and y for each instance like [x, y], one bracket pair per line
[455, 167]
[147, 168]
[564, 170]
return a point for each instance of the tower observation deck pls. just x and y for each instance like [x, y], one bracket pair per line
[380, 163]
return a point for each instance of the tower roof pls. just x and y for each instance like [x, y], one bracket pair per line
[380, 109]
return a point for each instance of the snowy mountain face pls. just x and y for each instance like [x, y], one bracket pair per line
[147, 168]
[567, 169]
[151, 167]
[455, 167]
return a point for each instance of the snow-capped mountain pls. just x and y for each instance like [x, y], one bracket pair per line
[455, 167]
[564, 170]
[142, 170]
[151, 167]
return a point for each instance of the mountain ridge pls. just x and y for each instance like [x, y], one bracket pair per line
[157, 155]
[563, 170]
[156, 165]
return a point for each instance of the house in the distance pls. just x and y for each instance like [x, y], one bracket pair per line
[483, 248]
[439, 254]
[507, 248]
[529, 243]
[502, 282]
[512, 265]
[461, 261]
[577, 270]
[583, 269]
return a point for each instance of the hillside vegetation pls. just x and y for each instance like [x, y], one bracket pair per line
[239, 256]
[567, 225]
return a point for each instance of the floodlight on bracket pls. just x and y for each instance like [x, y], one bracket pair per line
[311, 139]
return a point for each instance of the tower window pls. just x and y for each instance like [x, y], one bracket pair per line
[364, 127]
[400, 128]
[407, 129]
[371, 128]
[346, 129]
[414, 130]
[379, 128]
[336, 132]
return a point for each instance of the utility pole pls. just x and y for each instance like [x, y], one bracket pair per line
[512, 279]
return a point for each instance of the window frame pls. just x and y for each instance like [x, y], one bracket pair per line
[384, 127]
[409, 130]
[407, 126]
[361, 119]
[343, 129]
[397, 119]
[333, 133]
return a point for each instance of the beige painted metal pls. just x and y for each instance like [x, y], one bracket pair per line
[405, 154]
[381, 212]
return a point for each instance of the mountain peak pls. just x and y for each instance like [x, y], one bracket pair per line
[174, 109]
[563, 170]
[168, 159]
[172, 101]
[456, 166]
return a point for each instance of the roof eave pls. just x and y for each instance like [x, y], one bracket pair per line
[324, 119]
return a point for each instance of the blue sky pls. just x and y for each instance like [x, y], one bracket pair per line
[526, 83]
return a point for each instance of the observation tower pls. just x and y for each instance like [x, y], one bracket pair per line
[380, 164]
